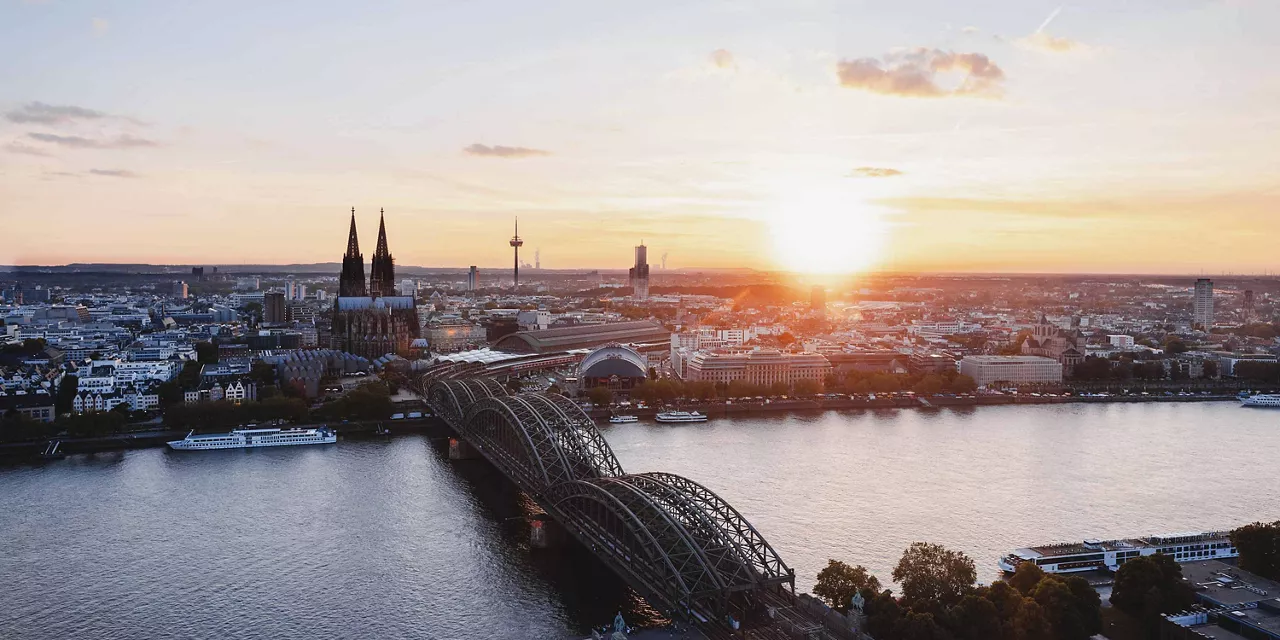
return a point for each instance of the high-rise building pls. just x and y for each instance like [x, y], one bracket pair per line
[639, 274]
[180, 290]
[1202, 306]
[473, 279]
[1246, 308]
[516, 243]
[300, 292]
[273, 308]
[291, 290]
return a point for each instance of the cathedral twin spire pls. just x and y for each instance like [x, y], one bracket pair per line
[382, 275]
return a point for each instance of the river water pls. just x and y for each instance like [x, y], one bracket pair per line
[388, 539]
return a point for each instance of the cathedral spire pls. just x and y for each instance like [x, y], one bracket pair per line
[382, 276]
[351, 282]
[353, 243]
[382, 235]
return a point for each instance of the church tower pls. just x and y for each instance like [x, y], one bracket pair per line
[382, 277]
[351, 282]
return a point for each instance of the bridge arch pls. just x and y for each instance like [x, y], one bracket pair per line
[451, 398]
[681, 542]
[543, 440]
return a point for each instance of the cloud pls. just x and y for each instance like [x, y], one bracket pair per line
[1044, 41]
[18, 147]
[915, 73]
[100, 26]
[874, 172]
[39, 112]
[499, 151]
[78, 142]
[969, 29]
[1053, 44]
[114, 173]
[722, 59]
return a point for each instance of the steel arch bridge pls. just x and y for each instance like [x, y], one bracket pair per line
[673, 540]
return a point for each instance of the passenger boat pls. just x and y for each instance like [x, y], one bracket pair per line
[251, 438]
[1265, 400]
[623, 419]
[1096, 554]
[680, 416]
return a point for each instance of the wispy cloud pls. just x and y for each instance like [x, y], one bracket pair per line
[114, 173]
[124, 141]
[26, 149]
[915, 74]
[722, 59]
[874, 172]
[41, 113]
[499, 151]
[1044, 41]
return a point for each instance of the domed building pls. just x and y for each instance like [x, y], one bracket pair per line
[617, 367]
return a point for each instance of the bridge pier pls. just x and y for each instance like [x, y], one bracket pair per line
[460, 450]
[545, 533]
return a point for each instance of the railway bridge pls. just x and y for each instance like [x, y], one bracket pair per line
[679, 545]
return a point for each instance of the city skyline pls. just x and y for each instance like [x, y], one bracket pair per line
[1020, 137]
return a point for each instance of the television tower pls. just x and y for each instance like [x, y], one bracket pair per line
[516, 243]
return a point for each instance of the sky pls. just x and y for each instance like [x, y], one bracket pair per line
[1120, 136]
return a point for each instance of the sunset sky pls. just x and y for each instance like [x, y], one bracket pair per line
[811, 135]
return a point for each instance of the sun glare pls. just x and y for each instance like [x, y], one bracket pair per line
[827, 232]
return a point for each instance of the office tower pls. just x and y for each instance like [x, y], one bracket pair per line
[1246, 309]
[473, 279]
[180, 290]
[273, 309]
[300, 292]
[639, 274]
[291, 290]
[1202, 307]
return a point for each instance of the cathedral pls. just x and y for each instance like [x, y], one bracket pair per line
[1050, 341]
[369, 319]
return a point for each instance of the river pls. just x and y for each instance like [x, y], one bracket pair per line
[388, 539]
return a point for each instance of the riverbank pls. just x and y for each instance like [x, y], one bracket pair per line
[898, 401]
[35, 450]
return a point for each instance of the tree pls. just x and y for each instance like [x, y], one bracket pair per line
[963, 384]
[1148, 586]
[600, 396]
[931, 573]
[189, 377]
[1210, 369]
[67, 390]
[928, 385]
[808, 387]
[920, 626]
[1174, 346]
[1259, 547]
[170, 393]
[206, 352]
[838, 582]
[1073, 613]
[974, 618]
[1026, 577]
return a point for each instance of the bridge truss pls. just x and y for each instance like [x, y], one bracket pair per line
[677, 543]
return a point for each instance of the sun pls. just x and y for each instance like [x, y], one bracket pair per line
[827, 231]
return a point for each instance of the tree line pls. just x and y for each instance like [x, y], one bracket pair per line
[940, 600]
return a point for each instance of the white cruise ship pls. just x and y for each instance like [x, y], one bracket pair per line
[623, 419]
[1092, 554]
[1267, 400]
[680, 416]
[249, 438]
